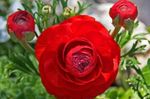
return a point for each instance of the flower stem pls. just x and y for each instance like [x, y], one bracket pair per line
[36, 34]
[116, 30]
[25, 44]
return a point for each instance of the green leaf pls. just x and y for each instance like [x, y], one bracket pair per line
[22, 60]
[82, 7]
[54, 5]
[128, 94]
[132, 50]
[140, 35]
[148, 28]
[146, 72]
[19, 64]
[112, 93]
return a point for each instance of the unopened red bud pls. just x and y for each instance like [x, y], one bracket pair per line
[21, 25]
[123, 9]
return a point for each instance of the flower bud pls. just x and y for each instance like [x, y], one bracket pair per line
[123, 9]
[67, 11]
[21, 25]
[46, 9]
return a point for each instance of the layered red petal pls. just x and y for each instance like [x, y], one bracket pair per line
[54, 50]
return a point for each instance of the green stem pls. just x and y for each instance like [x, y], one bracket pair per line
[116, 30]
[25, 44]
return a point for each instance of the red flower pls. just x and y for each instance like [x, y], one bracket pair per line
[21, 24]
[125, 10]
[78, 59]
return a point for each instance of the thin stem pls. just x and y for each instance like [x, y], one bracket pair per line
[116, 30]
[36, 34]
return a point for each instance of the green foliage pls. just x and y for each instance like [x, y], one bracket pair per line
[24, 62]
[15, 84]
[137, 79]
[19, 58]
[44, 20]
[18, 74]
[82, 7]
[118, 93]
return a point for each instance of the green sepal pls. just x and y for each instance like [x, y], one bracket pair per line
[116, 21]
[29, 36]
[129, 25]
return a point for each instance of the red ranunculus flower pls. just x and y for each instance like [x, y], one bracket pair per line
[21, 24]
[125, 9]
[78, 59]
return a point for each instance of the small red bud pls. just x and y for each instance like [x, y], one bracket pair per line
[124, 9]
[20, 24]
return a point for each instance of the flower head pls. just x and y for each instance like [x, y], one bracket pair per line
[123, 9]
[21, 24]
[78, 59]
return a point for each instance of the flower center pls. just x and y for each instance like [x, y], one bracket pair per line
[80, 61]
[79, 57]
[124, 8]
[21, 19]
